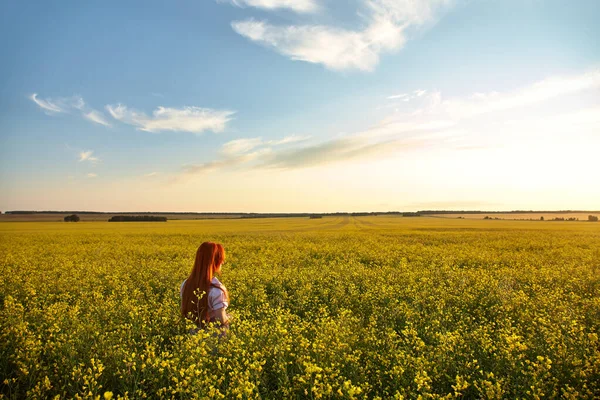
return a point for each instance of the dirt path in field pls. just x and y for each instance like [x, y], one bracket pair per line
[317, 225]
[362, 224]
[342, 224]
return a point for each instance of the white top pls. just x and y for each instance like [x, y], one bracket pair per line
[216, 296]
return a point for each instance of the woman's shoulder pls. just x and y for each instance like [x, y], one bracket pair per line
[217, 290]
[216, 284]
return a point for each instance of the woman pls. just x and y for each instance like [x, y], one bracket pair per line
[214, 298]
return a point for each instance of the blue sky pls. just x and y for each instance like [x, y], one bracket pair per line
[299, 105]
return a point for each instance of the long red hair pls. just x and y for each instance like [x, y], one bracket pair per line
[208, 258]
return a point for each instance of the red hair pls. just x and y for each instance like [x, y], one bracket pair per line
[208, 258]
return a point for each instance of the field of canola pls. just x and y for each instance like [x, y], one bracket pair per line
[340, 307]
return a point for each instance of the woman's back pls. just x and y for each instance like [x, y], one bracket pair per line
[203, 297]
[218, 298]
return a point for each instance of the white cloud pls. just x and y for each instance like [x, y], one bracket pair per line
[240, 146]
[355, 147]
[376, 142]
[88, 156]
[186, 119]
[243, 151]
[398, 96]
[412, 12]
[77, 102]
[433, 109]
[226, 162]
[408, 96]
[434, 124]
[481, 103]
[151, 174]
[92, 175]
[341, 49]
[96, 117]
[52, 106]
[68, 104]
[300, 6]
[342, 149]
[289, 139]
[335, 48]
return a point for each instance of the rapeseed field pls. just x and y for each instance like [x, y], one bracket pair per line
[339, 307]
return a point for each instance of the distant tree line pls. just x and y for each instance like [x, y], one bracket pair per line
[302, 215]
[591, 218]
[100, 212]
[309, 215]
[137, 218]
[72, 218]
[503, 212]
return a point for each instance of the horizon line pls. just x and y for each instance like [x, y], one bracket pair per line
[428, 211]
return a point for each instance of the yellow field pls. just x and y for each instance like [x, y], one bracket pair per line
[377, 307]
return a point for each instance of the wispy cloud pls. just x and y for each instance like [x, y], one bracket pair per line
[408, 96]
[435, 124]
[96, 117]
[547, 89]
[257, 153]
[239, 146]
[186, 119]
[289, 139]
[398, 96]
[300, 6]
[328, 152]
[337, 150]
[88, 156]
[77, 102]
[435, 109]
[92, 175]
[225, 162]
[151, 174]
[59, 105]
[242, 151]
[68, 104]
[385, 28]
[208, 166]
[47, 104]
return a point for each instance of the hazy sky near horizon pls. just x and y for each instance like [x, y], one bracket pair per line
[299, 105]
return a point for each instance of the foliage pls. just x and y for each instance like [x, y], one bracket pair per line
[137, 218]
[72, 218]
[344, 307]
